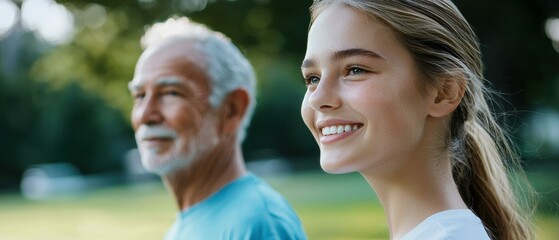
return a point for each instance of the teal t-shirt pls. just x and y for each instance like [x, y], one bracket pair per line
[247, 208]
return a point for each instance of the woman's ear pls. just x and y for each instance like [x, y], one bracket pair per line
[447, 98]
[234, 109]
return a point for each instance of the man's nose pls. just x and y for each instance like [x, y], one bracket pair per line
[149, 112]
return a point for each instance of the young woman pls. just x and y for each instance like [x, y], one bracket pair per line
[395, 91]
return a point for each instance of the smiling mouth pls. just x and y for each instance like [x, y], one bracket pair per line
[339, 129]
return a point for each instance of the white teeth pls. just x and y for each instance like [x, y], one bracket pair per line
[338, 129]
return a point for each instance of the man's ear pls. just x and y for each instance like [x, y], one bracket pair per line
[234, 109]
[447, 97]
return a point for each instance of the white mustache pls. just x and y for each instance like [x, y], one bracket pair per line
[157, 131]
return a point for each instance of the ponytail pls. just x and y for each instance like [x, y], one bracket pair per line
[481, 171]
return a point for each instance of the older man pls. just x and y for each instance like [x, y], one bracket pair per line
[193, 98]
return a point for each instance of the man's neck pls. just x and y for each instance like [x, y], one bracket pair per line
[207, 175]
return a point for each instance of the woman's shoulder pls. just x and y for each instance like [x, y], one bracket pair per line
[458, 224]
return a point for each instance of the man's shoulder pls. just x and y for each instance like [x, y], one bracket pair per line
[252, 194]
[255, 207]
[250, 188]
[247, 208]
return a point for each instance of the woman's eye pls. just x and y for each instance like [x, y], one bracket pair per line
[355, 71]
[311, 80]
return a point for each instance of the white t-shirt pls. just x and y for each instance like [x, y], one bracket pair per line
[459, 224]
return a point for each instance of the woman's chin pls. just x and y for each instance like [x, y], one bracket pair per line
[334, 167]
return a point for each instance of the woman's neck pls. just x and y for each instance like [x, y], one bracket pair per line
[419, 188]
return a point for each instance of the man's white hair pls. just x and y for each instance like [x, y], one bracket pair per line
[227, 68]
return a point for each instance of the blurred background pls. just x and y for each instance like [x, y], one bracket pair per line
[68, 164]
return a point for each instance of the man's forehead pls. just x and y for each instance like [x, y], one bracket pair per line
[177, 57]
[178, 44]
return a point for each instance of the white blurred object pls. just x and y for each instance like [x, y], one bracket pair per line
[9, 14]
[51, 180]
[134, 170]
[270, 167]
[552, 31]
[541, 133]
[49, 20]
[552, 28]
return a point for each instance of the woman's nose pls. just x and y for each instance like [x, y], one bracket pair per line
[325, 96]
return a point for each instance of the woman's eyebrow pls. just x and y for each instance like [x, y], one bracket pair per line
[307, 63]
[355, 52]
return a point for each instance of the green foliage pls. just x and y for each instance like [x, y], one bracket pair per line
[519, 58]
[100, 60]
[277, 127]
[41, 125]
[80, 128]
[16, 123]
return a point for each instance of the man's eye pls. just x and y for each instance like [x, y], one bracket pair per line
[139, 96]
[172, 93]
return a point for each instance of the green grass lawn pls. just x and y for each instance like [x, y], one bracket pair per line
[330, 206]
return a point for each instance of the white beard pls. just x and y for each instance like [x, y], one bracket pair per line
[178, 157]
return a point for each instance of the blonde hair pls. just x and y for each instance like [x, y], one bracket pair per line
[445, 47]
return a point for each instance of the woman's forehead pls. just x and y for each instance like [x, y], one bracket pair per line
[339, 27]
